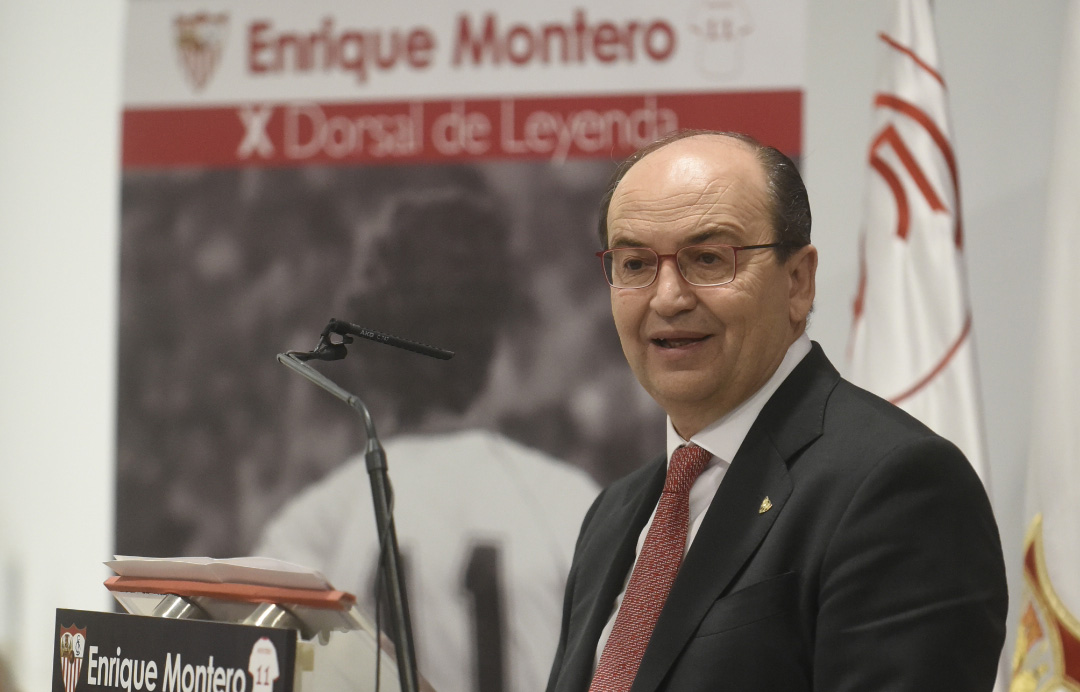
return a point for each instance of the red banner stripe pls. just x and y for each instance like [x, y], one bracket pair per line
[293, 133]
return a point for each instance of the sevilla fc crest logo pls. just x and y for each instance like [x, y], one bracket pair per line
[200, 41]
[1047, 655]
[72, 649]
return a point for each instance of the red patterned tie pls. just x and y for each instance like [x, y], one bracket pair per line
[653, 574]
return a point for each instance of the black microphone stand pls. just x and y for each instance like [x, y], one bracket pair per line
[375, 459]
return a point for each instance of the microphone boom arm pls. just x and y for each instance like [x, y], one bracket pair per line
[381, 493]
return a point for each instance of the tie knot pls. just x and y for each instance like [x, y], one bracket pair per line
[687, 463]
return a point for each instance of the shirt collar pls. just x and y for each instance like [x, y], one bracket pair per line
[723, 437]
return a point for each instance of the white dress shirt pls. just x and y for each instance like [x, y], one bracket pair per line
[722, 439]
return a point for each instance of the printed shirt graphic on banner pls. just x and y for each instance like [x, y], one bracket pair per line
[485, 557]
[263, 665]
[721, 27]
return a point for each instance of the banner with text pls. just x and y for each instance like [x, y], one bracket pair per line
[432, 171]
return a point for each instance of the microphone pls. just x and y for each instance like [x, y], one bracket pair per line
[327, 349]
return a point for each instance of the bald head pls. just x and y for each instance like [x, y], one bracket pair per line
[788, 203]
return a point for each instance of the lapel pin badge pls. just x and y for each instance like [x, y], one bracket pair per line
[766, 505]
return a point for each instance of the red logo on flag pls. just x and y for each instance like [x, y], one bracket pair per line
[72, 648]
[200, 41]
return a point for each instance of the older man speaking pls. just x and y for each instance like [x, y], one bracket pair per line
[800, 533]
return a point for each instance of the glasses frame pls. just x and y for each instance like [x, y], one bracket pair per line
[602, 254]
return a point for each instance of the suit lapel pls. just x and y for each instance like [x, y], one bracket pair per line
[610, 555]
[733, 526]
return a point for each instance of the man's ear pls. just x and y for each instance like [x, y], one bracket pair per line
[802, 269]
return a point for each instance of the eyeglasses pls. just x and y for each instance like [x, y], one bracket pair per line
[700, 265]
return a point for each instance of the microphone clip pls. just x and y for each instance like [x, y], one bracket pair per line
[327, 348]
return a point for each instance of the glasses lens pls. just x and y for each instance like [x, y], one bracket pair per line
[630, 267]
[707, 265]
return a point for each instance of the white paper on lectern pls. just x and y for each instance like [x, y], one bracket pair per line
[258, 571]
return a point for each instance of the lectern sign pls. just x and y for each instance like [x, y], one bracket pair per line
[105, 651]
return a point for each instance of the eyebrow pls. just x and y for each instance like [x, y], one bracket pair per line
[711, 234]
[718, 235]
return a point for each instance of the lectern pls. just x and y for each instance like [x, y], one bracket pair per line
[202, 626]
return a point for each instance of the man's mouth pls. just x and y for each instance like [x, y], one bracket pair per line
[678, 343]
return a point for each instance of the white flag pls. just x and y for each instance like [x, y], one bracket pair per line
[911, 340]
[1047, 655]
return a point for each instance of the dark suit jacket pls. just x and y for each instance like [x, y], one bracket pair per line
[878, 567]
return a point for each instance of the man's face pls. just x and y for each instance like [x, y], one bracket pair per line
[701, 351]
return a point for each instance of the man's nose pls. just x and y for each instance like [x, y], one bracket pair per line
[673, 293]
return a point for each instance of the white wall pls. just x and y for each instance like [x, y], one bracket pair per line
[59, 96]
